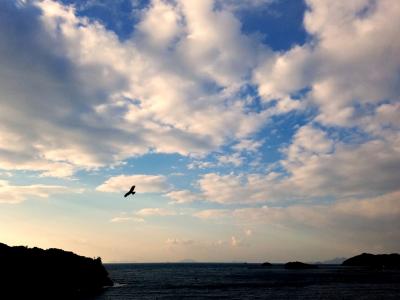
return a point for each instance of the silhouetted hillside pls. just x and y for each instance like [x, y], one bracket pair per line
[376, 261]
[51, 273]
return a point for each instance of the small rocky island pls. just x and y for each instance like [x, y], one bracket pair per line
[51, 273]
[381, 261]
[296, 265]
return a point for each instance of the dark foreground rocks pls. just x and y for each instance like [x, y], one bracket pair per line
[51, 273]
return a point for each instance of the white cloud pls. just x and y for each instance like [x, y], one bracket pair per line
[374, 213]
[140, 215]
[308, 141]
[122, 219]
[40, 75]
[143, 183]
[364, 169]
[159, 90]
[281, 75]
[233, 159]
[384, 122]
[248, 145]
[229, 189]
[315, 166]
[211, 214]
[148, 212]
[238, 5]
[14, 194]
[351, 61]
[182, 196]
[160, 12]
[179, 242]
[173, 88]
[374, 209]
[197, 164]
[388, 115]
[354, 222]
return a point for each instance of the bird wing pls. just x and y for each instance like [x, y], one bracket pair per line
[131, 191]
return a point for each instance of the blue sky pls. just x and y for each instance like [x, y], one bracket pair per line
[253, 130]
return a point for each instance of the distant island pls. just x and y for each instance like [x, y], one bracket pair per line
[49, 273]
[333, 261]
[296, 265]
[374, 260]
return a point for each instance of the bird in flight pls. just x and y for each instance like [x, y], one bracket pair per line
[131, 191]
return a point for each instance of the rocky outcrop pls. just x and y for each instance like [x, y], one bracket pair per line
[51, 273]
[374, 260]
[296, 265]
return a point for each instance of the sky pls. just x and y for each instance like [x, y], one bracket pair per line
[254, 130]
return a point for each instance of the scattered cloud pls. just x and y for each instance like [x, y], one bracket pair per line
[157, 91]
[144, 184]
[228, 189]
[369, 219]
[239, 5]
[122, 219]
[315, 166]
[318, 166]
[197, 164]
[182, 196]
[14, 194]
[178, 85]
[230, 159]
[337, 75]
[149, 212]
[211, 214]
[178, 242]
[248, 145]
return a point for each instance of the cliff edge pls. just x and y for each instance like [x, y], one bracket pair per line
[51, 273]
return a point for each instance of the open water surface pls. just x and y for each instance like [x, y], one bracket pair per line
[248, 281]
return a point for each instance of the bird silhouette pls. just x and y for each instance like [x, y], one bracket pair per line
[131, 191]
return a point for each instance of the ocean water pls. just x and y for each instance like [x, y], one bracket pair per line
[248, 281]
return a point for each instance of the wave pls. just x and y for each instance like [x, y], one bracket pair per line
[117, 285]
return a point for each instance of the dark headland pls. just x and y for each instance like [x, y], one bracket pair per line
[389, 261]
[51, 273]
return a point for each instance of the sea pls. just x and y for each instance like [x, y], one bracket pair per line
[247, 281]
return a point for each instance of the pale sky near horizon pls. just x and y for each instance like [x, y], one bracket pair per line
[254, 130]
